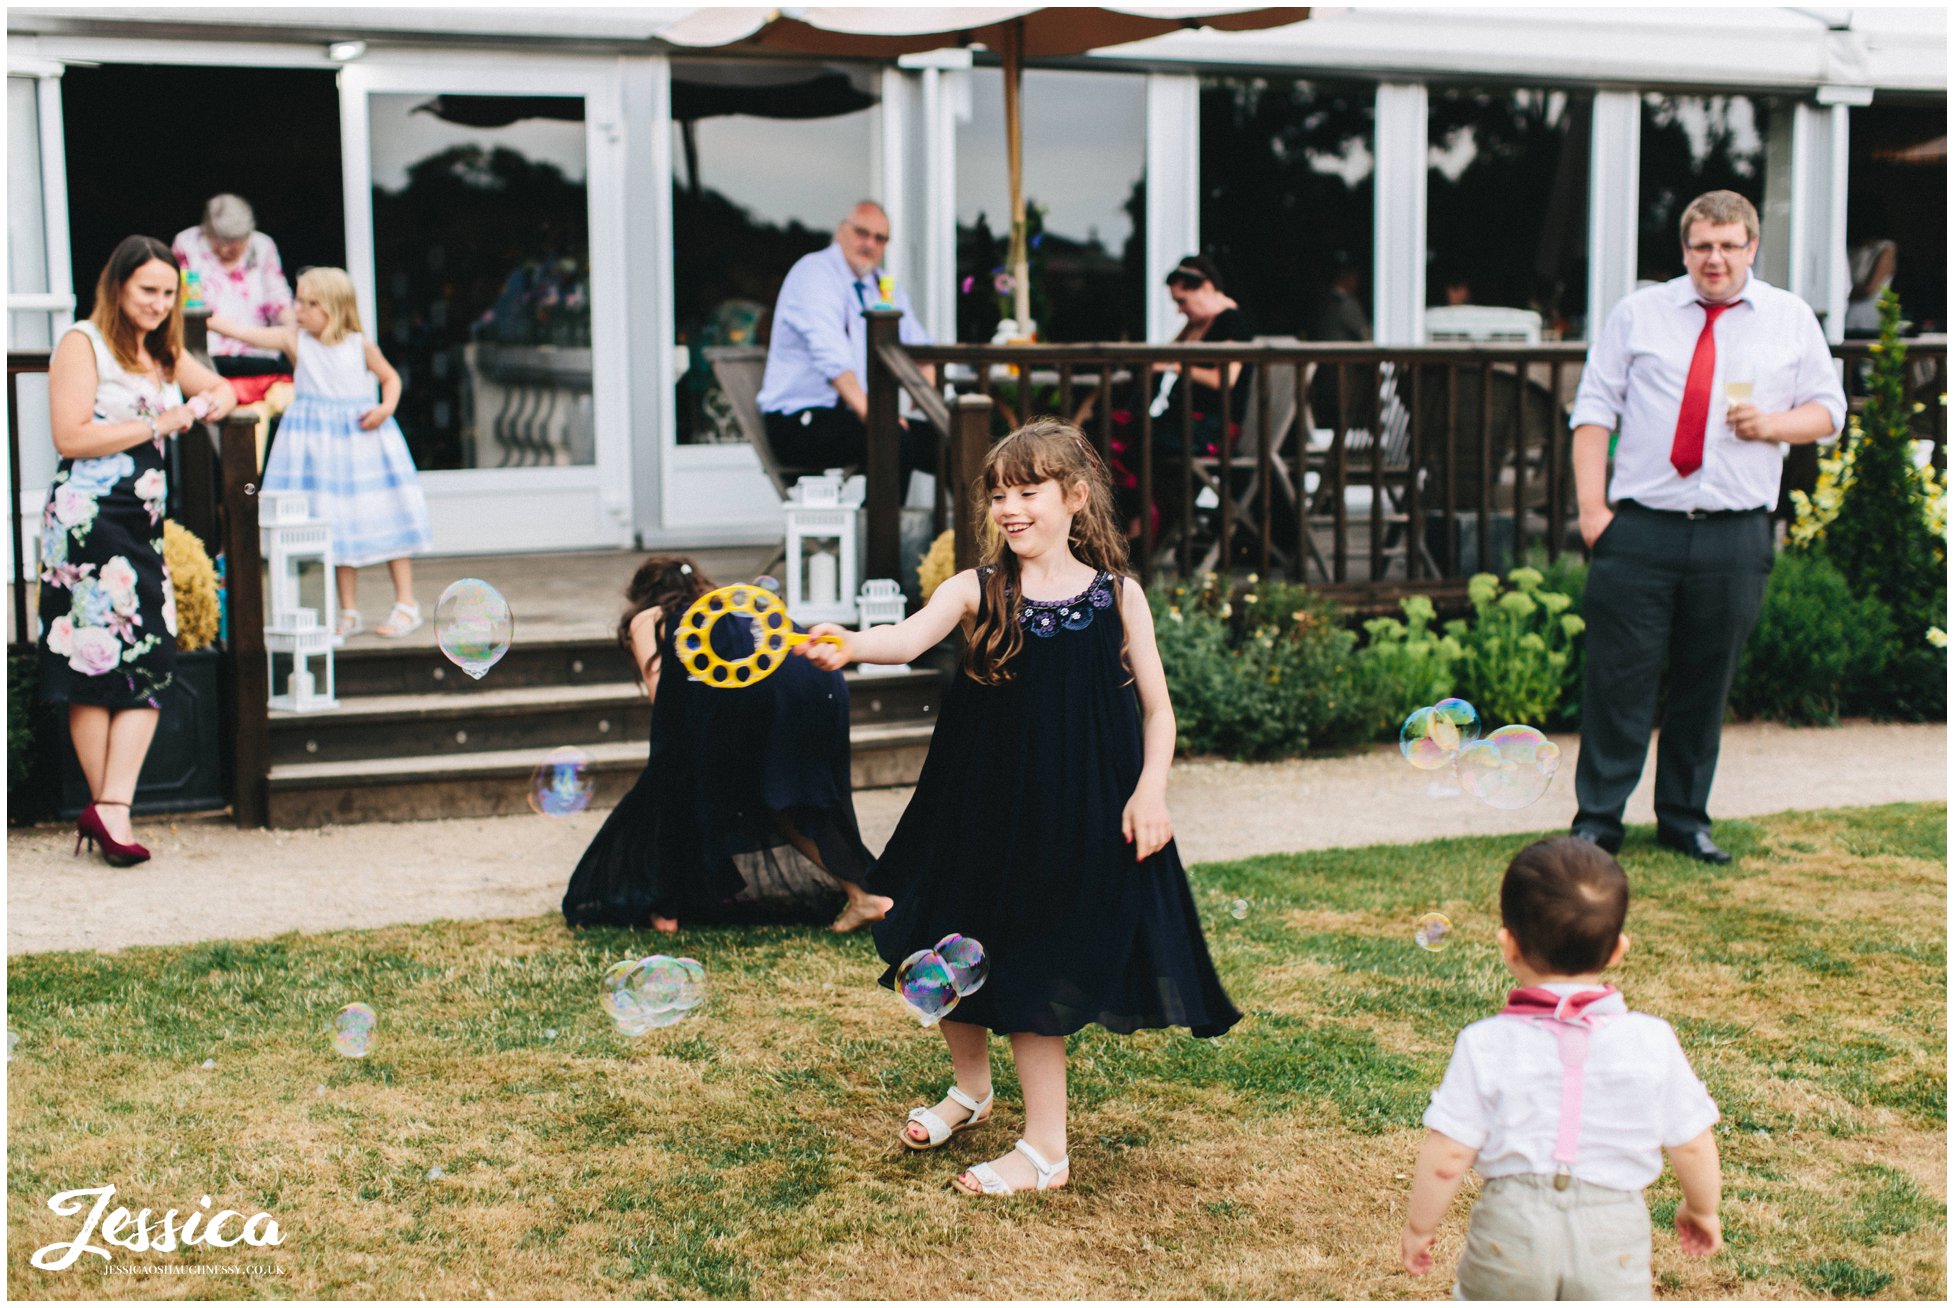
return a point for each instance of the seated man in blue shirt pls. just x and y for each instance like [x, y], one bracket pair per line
[812, 395]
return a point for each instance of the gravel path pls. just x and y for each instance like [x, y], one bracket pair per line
[210, 880]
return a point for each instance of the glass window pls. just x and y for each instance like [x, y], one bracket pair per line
[766, 160]
[481, 248]
[1692, 144]
[1085, 206]
[1279, 158]
[1898, 194]
[27, 270]
[1507, 207]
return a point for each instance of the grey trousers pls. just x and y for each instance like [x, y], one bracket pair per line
[1528, 1240]
[1664, 588]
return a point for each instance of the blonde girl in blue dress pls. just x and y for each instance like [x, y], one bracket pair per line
[341, 448]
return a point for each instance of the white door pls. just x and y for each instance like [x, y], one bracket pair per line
[484, 233]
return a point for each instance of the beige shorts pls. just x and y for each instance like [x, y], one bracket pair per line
[1528, 1240]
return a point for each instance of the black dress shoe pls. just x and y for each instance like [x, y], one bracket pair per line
[1696, 845]
[1613, 844]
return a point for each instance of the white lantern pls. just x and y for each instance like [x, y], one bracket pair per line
[288, 538]
[822, 551]
[881, 604]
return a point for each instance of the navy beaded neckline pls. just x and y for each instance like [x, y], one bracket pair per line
[1045, 617]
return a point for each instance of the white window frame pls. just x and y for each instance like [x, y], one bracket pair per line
[492, 510]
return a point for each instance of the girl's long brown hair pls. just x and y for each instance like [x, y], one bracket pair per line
[666, 582]
[165, 344]
[1044, 448]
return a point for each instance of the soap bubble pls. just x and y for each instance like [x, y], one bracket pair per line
[1434, 932]
[562, 783]
[1427, 739]
[645, 994]
[1509, 769]
[968, 965]
[436, 1174]
[769, 584]
[210, 1064]
[1461, 715]
[1238, 910]
[925, 983]
[352, 1031]
[473, 625]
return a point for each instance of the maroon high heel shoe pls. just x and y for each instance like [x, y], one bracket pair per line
[90, 827]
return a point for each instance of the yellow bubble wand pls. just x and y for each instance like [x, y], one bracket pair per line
[773, 636]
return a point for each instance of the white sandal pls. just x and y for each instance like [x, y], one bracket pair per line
[403, 619]
[940, 1130]
[350, 623]
[991, 1183]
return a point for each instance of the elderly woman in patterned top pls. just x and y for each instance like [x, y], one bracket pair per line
[242, 279]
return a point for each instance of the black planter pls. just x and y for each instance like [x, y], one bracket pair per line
[185, 770]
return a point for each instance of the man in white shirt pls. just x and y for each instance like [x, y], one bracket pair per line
[1706, 378]
[812, 396]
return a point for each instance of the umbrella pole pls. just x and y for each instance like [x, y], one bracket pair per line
[1014, 154]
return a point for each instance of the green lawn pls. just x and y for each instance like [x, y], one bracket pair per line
[750, 1151]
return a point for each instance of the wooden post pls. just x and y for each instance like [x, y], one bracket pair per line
[246, 677]
[884, 457]
[970, 438]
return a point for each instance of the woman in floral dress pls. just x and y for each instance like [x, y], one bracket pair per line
[108, 616]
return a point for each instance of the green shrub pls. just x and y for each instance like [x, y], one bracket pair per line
[1816, 642]
[1260, 672]
[1406, 665]
[1883, 524]
[1517, 649]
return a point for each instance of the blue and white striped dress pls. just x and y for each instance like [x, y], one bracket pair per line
[362, 482]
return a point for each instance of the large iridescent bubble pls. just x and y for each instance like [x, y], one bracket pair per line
[1509, 769]
[562, 783]
[473, 625]
[641, 995]
[352, 1030]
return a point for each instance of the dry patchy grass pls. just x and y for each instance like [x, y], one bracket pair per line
[750, 1151]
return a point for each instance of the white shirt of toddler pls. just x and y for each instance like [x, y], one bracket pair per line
[1502, 1094]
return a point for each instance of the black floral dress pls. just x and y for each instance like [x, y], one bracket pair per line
[1013, 838]
[108, 613]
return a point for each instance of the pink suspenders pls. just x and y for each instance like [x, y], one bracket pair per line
[1572, 1025]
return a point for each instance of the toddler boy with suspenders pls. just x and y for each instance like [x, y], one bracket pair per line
[1565, 1102]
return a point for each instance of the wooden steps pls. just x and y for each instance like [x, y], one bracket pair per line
[414, 738]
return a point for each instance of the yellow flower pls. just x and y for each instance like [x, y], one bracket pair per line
[1937, 638]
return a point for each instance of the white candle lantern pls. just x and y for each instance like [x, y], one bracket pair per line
[881, 604]
[289, 537]
[822, 551]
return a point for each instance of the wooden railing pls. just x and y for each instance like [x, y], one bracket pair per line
[1386, 468]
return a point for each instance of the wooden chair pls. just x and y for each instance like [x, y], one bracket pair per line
[1237, 472]
[738, 370]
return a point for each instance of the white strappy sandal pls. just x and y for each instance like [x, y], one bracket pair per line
[939, 1130]
[991, 1183]
[403, 619]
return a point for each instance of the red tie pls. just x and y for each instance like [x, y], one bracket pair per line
[1686, 453]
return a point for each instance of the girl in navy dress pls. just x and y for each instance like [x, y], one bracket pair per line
[1039, 825]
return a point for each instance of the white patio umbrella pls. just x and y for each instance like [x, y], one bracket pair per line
[1013, 33]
